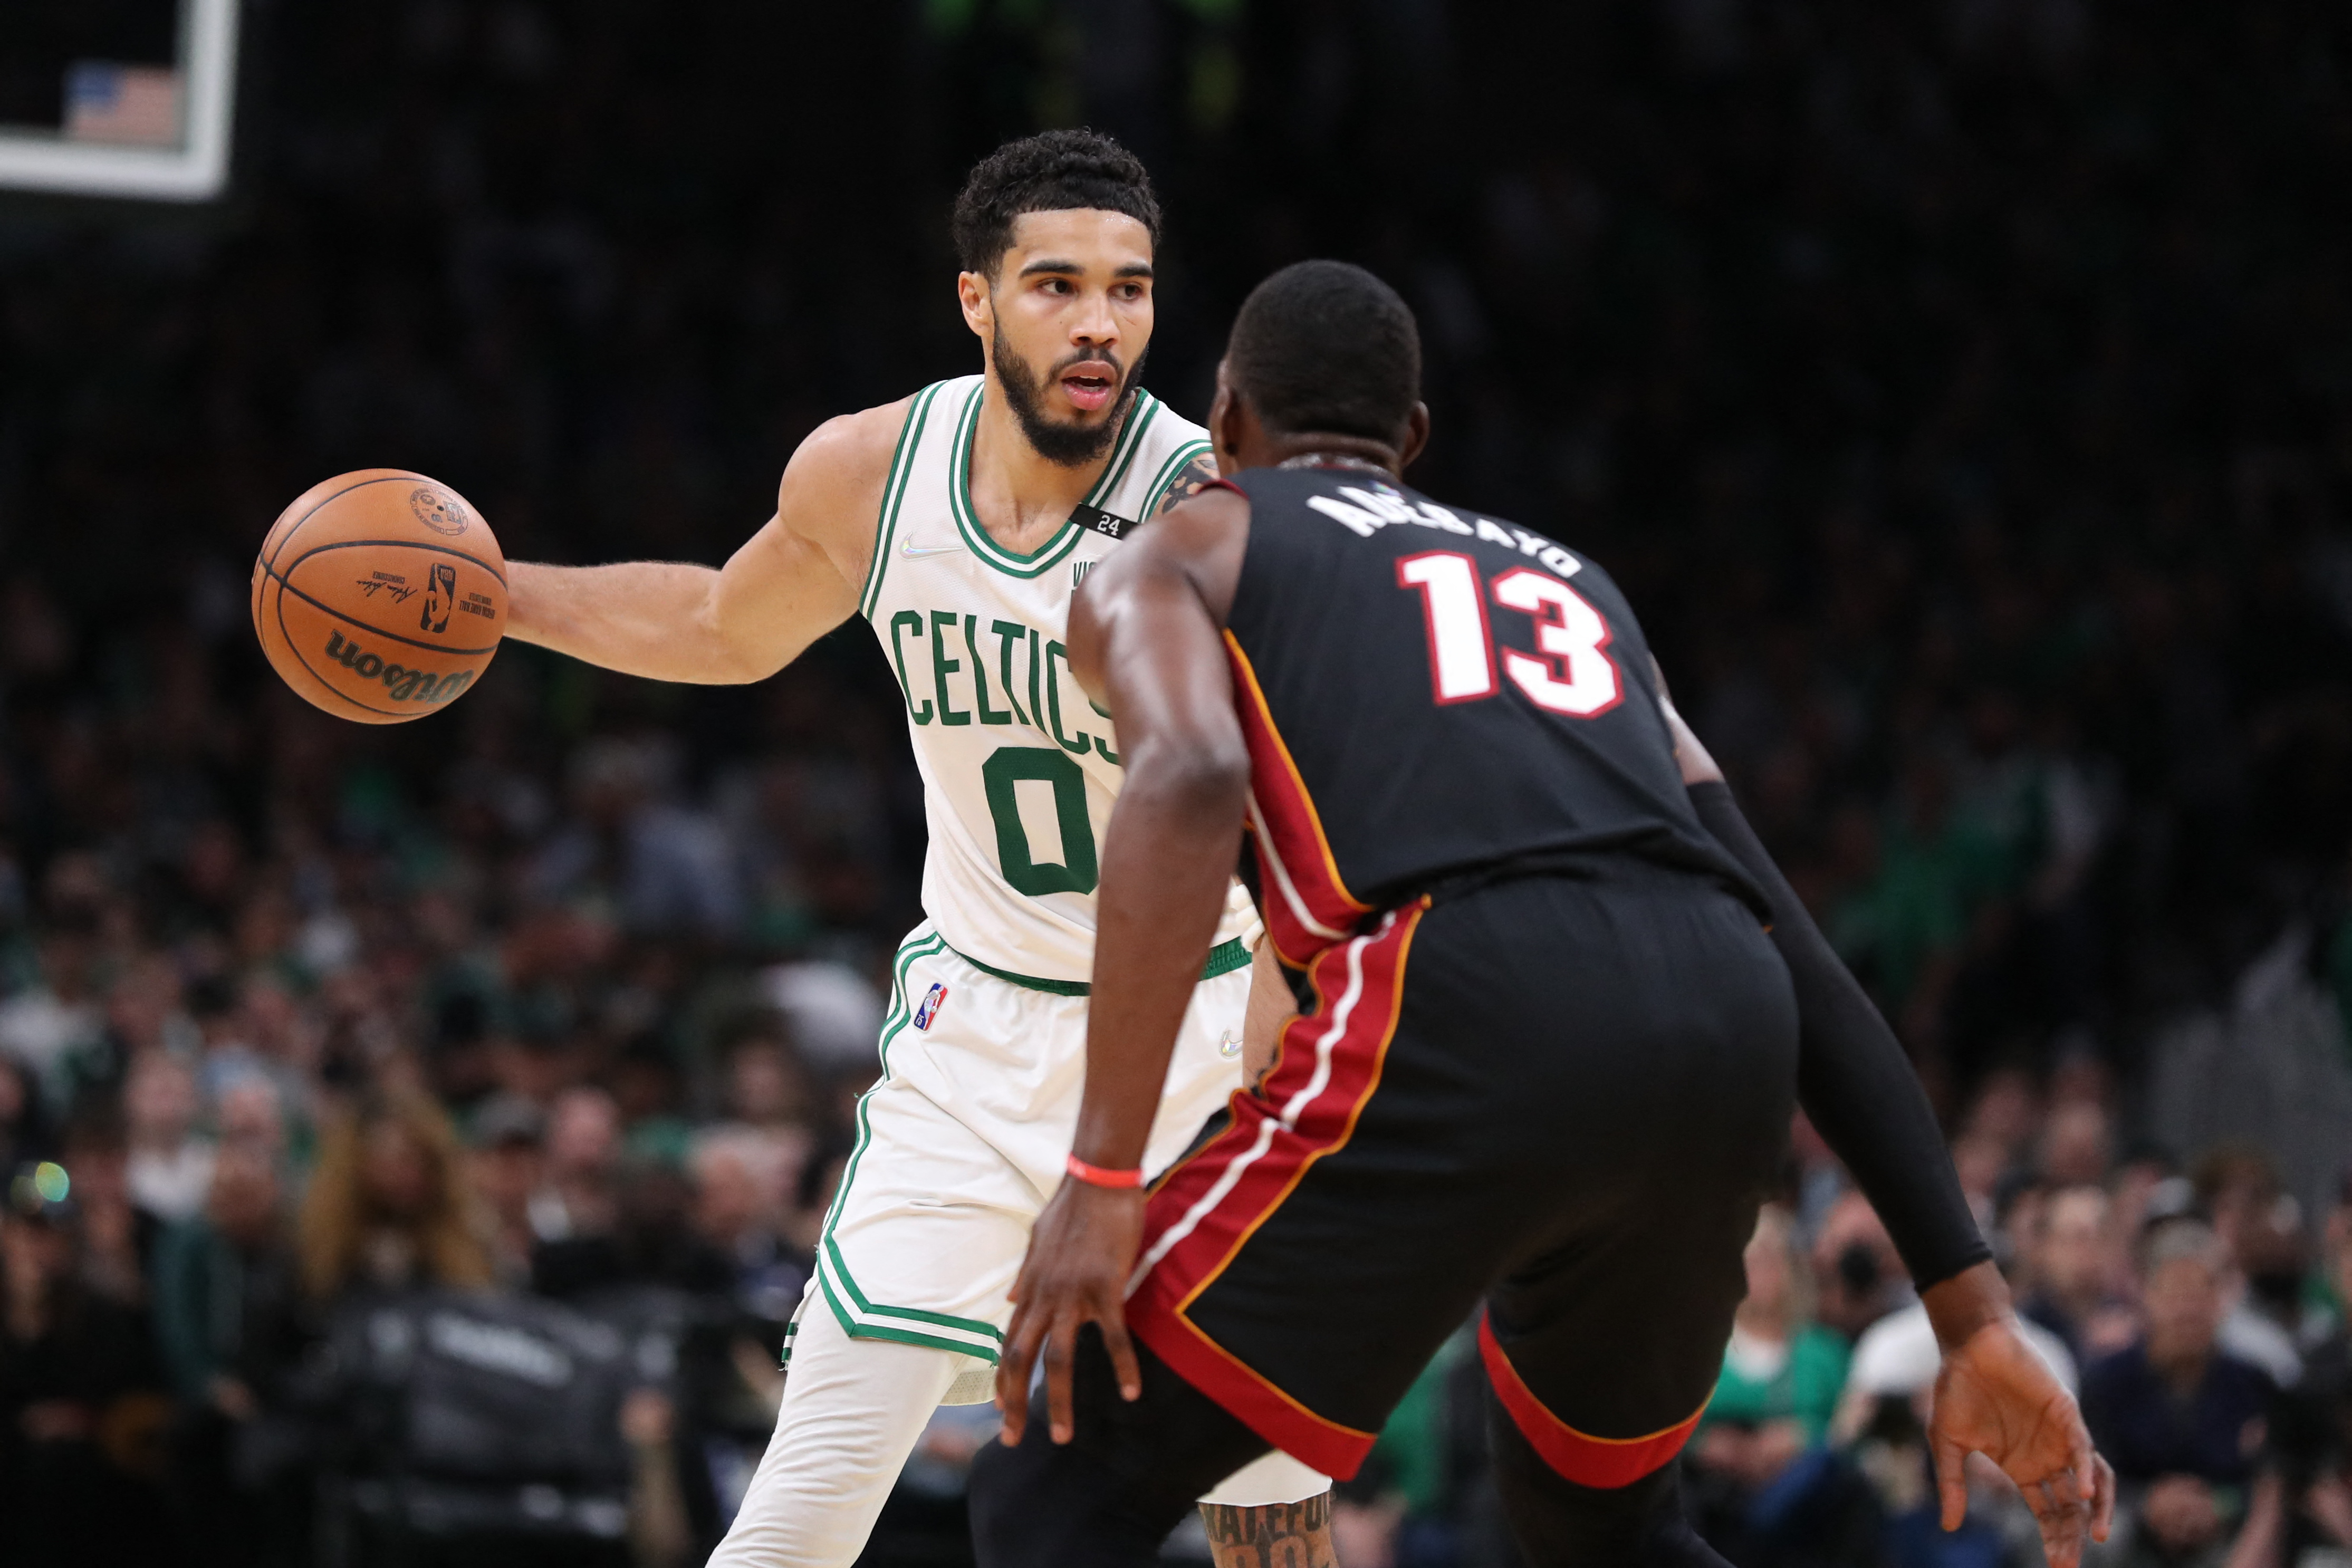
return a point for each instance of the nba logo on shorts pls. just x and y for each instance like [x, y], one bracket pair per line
[933, 1000]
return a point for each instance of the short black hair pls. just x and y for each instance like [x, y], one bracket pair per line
[1054, 171]
[1326, 346]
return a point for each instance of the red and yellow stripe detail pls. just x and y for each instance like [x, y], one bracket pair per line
[1307, 906]
[1588, 1461]
[1205, 1211]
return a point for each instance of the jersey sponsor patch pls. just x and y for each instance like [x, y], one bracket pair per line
[933, 1000]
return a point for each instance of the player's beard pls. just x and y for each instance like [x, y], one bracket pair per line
[1071, 445]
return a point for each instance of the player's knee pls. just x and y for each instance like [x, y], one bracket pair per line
[1005, 1487]
[1043, 1502]
[1558, 1520]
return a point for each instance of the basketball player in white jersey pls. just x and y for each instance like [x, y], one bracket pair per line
[957, 522]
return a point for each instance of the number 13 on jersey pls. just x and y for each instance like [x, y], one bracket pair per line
[1571, 674]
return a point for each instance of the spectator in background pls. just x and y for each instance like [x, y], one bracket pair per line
[2077, 1144]
[24, 1121]
[1858, 1275]
[652, 1240]
[2181, 1419]
[737, 1196]
[389, 1207]
[769, 1096]
[1767, 1490]
[229, 1321]
[506, 1166]
[2313, 1439]
[52, 1026]
[249, 1113]
[117, 1235]
[2258, 1224]
[82, 1404]
[575, 1198]
[169, 1166]
[2069, 1251]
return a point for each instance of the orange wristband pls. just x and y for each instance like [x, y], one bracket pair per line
[1094, 1176]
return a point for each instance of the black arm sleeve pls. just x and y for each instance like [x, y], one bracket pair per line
[1852, 1078]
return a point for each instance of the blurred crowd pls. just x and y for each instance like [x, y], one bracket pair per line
[1961, 391]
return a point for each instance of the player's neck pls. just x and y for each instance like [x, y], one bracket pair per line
[1325, 449]
[1022, 497]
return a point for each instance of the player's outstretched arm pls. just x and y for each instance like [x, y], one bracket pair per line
[1852, 1077]
[789, 584]
[1144, 643]
[1993, 1396]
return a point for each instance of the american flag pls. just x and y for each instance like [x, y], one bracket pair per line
[110, 102]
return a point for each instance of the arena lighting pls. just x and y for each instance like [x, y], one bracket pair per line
[191, 165]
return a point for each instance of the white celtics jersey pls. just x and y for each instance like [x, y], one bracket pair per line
[1019, 768]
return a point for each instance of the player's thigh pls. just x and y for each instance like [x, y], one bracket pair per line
[927, 1232]
[1605, 1339]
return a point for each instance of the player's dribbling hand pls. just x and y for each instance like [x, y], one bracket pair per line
[1080, 1253]
[1995, 1398]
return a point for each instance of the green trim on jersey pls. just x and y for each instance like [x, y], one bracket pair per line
[1169, 472]
[909, 951]
[1224, 959]
[894, 494]
[905, 1325]
[856, 1314]
[1050, 553]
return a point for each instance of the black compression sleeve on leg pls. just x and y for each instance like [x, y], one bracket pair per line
[1852, 1078]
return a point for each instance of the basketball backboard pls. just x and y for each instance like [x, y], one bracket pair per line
[129, 97]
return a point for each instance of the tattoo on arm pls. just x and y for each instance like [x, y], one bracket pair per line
[1276, 1535]
[1190, 480]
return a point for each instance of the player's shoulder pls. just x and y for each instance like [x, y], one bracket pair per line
[1171, 461]
[852, 445]
[841, 465]
[1201, 537]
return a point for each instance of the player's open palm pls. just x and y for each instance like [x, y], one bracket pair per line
[1080, 1253]
[1995, 1398]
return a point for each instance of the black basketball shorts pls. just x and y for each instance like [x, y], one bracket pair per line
[1560, 1096]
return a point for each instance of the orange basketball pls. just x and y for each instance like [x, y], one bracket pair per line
[380, 595]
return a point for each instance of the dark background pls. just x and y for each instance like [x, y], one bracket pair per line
[1962, 392]
[1923, 354]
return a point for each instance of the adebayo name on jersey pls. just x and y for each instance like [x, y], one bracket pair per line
[402, 685]
[1030, 694]
[1367, 512]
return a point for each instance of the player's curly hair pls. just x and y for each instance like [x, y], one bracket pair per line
[1050, 171]
[1326, 346]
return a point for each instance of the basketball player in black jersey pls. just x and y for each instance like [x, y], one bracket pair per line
[1547, 1050]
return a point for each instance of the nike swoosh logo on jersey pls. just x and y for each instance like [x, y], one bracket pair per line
[913, 552]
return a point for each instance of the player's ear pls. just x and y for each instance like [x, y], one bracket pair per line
[1225, 425]
[1416, 438]
[979, 304]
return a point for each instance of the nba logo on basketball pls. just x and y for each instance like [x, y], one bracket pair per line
[933, 1000]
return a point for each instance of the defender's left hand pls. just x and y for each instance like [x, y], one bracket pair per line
[1080, 1254]
[1994, 1397]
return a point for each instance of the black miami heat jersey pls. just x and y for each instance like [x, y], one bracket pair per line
[1431, 694]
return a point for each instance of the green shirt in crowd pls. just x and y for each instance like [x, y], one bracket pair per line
[1801, 1385]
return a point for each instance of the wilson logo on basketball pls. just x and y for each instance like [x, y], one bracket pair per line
[403, 684]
